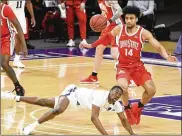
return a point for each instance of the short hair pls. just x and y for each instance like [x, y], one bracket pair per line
[117, 87]
[131, 10]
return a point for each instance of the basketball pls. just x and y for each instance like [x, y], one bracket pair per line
[98, 23]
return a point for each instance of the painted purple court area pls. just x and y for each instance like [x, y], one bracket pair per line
[74, 51]
[164, 107]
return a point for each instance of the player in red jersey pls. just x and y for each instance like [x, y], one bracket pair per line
[8, 17]
[130, 38]
[112, 10]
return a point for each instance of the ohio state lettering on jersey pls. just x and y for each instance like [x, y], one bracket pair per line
[6, 16]
[130, 46]
[129, 43]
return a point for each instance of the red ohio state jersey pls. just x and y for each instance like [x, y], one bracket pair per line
[130, 46]
[6, 15]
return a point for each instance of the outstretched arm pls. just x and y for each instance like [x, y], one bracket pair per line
[125, 123]
[96, 121]
[146, 35]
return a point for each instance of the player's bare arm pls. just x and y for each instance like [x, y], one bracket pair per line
[17, 25]
[96, 121]
[104, 40]
[116, 6]
[30, 10]
[125, 123]
[146, 35]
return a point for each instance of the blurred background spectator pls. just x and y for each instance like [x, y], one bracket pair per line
[162, 17]
[147, 12]
[75, 7]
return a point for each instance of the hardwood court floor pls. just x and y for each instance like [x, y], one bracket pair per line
[47, 77]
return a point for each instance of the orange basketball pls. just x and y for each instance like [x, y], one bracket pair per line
[98, 22]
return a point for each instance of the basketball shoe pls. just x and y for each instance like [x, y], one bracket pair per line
[7, 95]
[137, 112]
[27, 130]
[130, 116]
[19, 90]
[17, 63]
[90, 80]
[71, 43]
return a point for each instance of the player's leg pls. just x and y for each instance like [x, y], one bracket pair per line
[17, 63]
[97, 64]
[59, 108]
[29, 46]
[149, 92]
[70, 25]
[45, 102]
[60, 105]
[123, 78]
[114, 53]
[82, 20]
[5, 58]
[143, 78]
[97, 60]
[147, 95]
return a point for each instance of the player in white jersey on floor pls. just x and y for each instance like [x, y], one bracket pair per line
[95, 100]
[18, 7]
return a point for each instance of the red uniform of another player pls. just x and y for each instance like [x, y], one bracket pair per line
[7, 18]
[112, 10]
[6, 29]
[130, 66]
[109, 12]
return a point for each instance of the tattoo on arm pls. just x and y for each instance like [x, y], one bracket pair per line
[118, 10]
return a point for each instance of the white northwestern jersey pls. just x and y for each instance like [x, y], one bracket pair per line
[86, 97]
[18, 7]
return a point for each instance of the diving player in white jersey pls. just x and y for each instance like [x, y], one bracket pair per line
[95, 100]
[18, 7]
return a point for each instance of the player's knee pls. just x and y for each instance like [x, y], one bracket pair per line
[100, 49]
[151, 91]
[57, 111]
[5, 65]
[124, 87]
[114, 54]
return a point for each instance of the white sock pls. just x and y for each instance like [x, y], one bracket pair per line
[35, 124]
[17, 57]
[17, 98]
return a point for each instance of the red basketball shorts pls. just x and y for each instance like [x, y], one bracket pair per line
[7, 45]
[107, 30]
[138, 74]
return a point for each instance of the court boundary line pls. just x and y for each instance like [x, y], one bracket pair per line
[33, 117]
[83, 64]
[39, 131]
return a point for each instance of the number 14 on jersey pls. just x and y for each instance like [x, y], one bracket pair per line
[129, 52]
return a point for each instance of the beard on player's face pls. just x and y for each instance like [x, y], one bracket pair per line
[130, 26]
